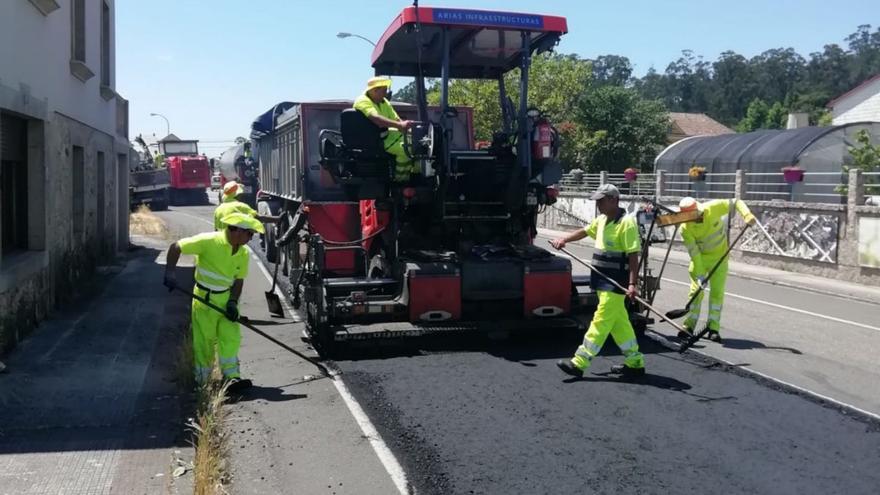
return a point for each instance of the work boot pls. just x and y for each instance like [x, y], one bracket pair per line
[626, 371]
[569, 368]
[714, 336]
[237, 385]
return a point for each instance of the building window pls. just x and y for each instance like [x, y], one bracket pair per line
[78, 65]
[13, 184]
[78, 190]
[78, 30]
[105, 44]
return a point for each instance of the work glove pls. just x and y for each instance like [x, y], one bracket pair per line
[701, 279]
[750, 219]
[232, 310]
[170, 281]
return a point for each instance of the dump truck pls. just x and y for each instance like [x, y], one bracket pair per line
[148, 181]
[452, 249]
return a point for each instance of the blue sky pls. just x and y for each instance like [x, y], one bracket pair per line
[211, 66]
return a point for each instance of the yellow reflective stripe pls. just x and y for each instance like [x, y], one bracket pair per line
[209, 273]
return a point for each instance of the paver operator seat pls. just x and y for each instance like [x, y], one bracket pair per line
[356, 157]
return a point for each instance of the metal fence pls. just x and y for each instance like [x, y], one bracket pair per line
[814, 187]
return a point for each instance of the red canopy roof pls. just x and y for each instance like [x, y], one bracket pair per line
[483, 44]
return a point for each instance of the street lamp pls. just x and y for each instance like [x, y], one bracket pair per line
[167, 125]
[347, 35]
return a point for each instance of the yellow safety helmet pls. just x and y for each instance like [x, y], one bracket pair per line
[243, 221]
[232, 189]
[378, 82]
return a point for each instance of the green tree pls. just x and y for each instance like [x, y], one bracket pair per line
[625, 129]
[777, 117]
[864, 157]
[612, 70]
[756, 116]
[555, 80]
[406, 94]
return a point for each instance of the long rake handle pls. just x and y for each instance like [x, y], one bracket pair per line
[637, 298]
[693, 298]
[263, 334]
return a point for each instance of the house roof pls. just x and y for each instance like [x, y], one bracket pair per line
[852, 91]
[697, 124]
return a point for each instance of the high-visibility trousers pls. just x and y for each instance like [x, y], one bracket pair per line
[210, 330]
[610, 317]
[404, 165]
[716, 295]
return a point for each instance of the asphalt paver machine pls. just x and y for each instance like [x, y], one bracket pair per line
[451, 249]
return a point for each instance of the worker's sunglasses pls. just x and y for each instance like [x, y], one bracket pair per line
[249, 232]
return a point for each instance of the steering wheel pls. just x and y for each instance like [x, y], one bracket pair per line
[424, 137]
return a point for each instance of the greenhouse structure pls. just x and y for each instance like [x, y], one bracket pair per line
[819, 152]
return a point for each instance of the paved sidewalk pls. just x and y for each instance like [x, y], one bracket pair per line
[812, 283]
[89, 403]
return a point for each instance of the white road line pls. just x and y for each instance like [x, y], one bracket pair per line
[294, 315]
[787, 308]
[195, 217]
[773, 305]
[398, 476]
[386, 457]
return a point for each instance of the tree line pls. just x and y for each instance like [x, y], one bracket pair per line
[610, 120]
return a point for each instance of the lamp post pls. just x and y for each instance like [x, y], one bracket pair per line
[167, 125]
[348, 35]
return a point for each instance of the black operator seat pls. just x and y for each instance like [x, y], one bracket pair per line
[361, 137]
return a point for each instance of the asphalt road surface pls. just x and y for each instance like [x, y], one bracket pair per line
[496, 416]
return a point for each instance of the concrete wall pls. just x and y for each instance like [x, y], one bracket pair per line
[63, 109]
[861, 106]
[35, 51]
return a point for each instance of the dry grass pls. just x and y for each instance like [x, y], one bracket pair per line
[143, 222]
[211, 441]
[210, 437]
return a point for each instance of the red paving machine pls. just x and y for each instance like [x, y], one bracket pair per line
[452, 249]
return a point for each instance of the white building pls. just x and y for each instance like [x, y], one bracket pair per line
[64, 154]
[860, 104]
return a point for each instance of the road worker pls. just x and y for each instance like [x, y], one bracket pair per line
[706, 241]
[374, 104]
[617, 256]
[221, 266]
[231, 191]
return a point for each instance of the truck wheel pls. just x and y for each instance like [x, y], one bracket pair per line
[160, 203]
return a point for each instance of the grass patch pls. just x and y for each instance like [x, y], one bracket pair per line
[144, 222]
[208, 427]
[211, 439]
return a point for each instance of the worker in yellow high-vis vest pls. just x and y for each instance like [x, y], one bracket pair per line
[374, 104]
[221, 267]
[617, 256]
[231, 191]
[706, 241]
